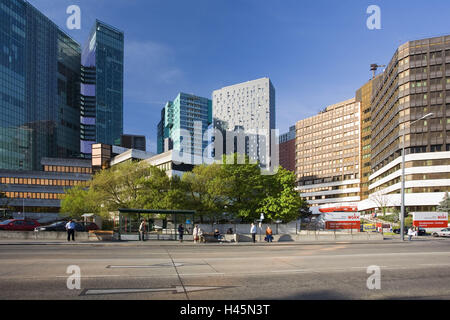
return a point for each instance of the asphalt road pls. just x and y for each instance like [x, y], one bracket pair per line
[410, 270]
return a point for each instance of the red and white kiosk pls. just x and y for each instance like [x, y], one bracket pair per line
[430, 220]
[340, 217]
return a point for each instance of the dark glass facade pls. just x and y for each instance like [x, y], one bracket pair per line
[102, 87]
[39, 88]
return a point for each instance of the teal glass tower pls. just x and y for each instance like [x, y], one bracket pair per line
[188, 112]
[101, 119]
[39, 88]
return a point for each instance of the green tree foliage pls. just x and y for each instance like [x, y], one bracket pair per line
[236, 188]
[281, 201]
[206, 187]
[78, 201]
[246, 187]
[120, 186]
[444, 205]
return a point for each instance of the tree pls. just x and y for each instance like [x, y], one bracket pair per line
[154, 190]
[281, 201]
[246, 190]
[121, 185]
[444, 205]
[78, 201]
[304, 210]
[207, 186]
[381, 200]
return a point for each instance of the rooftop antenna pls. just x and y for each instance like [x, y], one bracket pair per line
[374, 67]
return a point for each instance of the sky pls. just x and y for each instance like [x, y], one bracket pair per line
[316, 53]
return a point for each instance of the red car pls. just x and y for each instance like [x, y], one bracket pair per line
[19, 225]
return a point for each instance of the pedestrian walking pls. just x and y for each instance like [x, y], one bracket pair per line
[70, 227]
[142, 230]
[180, 232]
[410, 233]
[253, 232]
[269, 235]
[195, 233]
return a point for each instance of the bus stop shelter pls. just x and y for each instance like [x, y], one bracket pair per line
[130, 220]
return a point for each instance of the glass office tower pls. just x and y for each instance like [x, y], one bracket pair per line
[102, 88]
[39, 88]
[187, 112]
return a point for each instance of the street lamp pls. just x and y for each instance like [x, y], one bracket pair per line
[402, 212]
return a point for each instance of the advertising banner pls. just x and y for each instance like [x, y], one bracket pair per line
[342, 220]
[430, 219]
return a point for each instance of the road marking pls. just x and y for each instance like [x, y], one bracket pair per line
[160, 265]
[176, 289]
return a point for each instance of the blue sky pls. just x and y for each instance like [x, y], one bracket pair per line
[316, 52]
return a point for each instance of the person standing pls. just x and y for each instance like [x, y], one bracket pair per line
[201, 238]
[410, 233]
[70, 227]
[195, 233]
[142, 230]
[180, 232]
[269, 235]
[253, 232]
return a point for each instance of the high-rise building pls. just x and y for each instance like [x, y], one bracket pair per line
[186, 115]
[327, 155]
[416, 82]
[364, 97]
[39, 88]
[102, 87]
[287, 149]
[131, 141]
[248, 108]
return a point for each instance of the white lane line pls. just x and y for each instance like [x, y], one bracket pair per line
[176, 289]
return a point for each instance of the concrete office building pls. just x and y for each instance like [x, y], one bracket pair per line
[364, 97]
[248, 107]
[186, 115]
[102, 88]
[168, 162]
[39, 193]
[287, 150]
[416, 82]
[327, 155]
[39, 88]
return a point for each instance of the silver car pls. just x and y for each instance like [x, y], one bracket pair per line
[442, 233]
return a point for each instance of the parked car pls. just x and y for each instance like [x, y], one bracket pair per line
[397, 231]
[19, 224]
[442, 233]
[421, 232]
[61, 226]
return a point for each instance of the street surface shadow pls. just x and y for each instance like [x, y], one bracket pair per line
[285, 238]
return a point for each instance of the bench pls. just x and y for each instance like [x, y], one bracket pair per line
[209, 237]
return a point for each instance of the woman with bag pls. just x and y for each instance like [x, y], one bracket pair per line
[195, 233]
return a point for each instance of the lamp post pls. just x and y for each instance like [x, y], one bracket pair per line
[402, 211]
